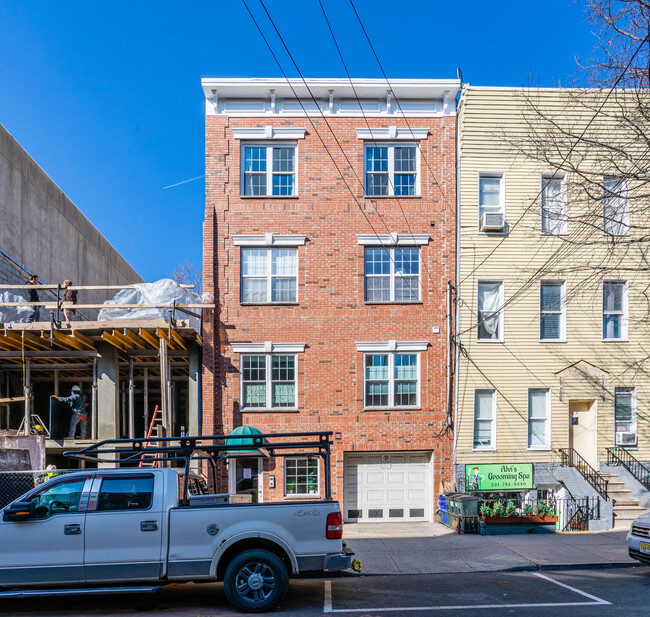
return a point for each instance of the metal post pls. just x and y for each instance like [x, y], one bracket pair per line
[28, 401]
[56, 383]
[146, 401]
[93, 402]
[131, 401]
[164, 390]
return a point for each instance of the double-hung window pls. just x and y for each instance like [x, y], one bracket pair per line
[490, 311]
[268, 381]
[625, 416]
[552, 311]
[490, 194]
[391, 170]
[616, 206]
[392, 274]
[615, 301]
[301, 476]
[269, 170]
[555, 208]
[485, 404]
[391, 380]
[269, 275]
[539, 424]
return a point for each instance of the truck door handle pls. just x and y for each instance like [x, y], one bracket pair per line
[149, 526]
[72, 530]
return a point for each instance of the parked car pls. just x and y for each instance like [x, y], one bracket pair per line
[638, 539]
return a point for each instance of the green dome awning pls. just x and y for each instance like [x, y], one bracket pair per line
[242, 436]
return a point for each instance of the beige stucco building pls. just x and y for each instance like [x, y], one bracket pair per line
[553, 280]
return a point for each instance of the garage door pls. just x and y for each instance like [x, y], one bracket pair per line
[390, 487]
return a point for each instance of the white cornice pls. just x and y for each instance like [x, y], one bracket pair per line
[268, 347]
[393, 239]
[269, 132]
[393, 346]
[392, 132]
[269, 239]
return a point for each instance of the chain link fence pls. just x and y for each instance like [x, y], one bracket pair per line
[13, 484]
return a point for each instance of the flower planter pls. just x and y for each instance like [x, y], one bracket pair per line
[518, 520]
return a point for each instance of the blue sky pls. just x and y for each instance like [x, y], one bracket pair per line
[106, 96]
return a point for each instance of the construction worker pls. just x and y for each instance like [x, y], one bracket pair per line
[69, 299]
[77, 402]
[32, 296]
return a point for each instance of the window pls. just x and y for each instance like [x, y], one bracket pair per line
[269, 170]
[616, 207]
[625, 415]
[391, 170]
[301, 476]
[391, 380]
[555, 209]
[490, 194]
[490, 310]
[614, 310]
[392, 274]
[268, 381]
[552, 311]
[539, 433]
[269, 275]
[484, 419]
[61, 498]
[134, 493]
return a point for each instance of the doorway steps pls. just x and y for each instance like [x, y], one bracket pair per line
[626, 506]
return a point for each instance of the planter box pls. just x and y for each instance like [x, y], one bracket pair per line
[519, 520]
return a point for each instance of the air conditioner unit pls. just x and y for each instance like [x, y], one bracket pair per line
[625, 439]
[492, 222]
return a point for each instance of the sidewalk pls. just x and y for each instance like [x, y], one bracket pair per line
[431, 548]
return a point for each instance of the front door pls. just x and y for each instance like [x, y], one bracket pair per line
[124, 527]
[583, 430]
[244, 478]
[49, 547]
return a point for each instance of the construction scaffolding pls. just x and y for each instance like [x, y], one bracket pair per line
[125, 367]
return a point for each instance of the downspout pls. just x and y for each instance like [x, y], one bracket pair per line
[457, 275]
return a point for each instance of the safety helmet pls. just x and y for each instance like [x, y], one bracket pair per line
[76, 389]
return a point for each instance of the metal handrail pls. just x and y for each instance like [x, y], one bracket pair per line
[620, 456]
[571, 458]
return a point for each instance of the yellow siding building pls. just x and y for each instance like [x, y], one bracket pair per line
[553, 282]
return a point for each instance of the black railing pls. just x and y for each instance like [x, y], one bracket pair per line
[620, 456]
[572, 459]
[578, 513]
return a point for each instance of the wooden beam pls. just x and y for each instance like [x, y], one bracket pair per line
[113, 341]
[82, 338]
[179, 339]
[147, 336]
[84, 287]
[55, 354]
[11, 399]
[123, 339]
[52, 305]
[67, 341]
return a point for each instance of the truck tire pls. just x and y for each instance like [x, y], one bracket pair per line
[255, 581]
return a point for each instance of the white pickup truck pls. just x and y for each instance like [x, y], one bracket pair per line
[83, 531]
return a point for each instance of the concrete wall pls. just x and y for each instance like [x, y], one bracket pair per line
[47, 234]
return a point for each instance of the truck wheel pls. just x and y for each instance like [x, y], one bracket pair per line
[255, 581]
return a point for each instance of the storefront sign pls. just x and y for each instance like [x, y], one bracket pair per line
[503, 477]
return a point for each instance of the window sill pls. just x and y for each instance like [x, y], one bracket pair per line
[392, 196]
[484, 449]
[269, 409]
[269, 197]
[550, 233]
[305, 497]
[388, 302]
[392, 408]
[269, 304]
[487, 340]
[539, 449]
[552, 340]
[615, 340]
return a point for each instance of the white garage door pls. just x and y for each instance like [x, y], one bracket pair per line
[391, 486]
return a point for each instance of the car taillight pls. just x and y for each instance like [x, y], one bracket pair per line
[334, 526]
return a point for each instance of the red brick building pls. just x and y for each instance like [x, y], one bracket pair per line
[329, 240]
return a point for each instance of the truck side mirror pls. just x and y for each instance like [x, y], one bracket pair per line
[19, 511]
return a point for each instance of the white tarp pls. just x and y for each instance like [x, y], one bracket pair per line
[160, 293]
[14, 314]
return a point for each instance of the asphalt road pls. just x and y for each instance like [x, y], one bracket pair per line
[570, 593]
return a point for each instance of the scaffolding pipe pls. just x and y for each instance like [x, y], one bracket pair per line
[28, 397]
[145, 404]
[131, 401]
[93, 402]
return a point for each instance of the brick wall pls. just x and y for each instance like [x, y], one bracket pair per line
[331, 314]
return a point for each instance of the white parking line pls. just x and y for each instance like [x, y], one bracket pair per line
[595, 601]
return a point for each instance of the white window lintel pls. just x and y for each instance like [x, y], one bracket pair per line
[393, 346]
[269, 132]
[270, 239]
[268, 347]
[393, 239]
[392, 132]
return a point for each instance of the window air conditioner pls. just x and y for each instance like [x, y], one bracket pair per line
[492, 222]
[625, 439]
